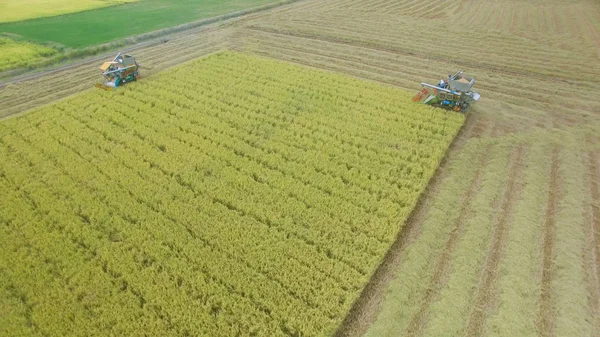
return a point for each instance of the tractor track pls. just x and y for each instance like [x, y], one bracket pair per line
[547, 313]
[595, 192]
[365, 309]
[395, 52]
[440, 269]
[592, 231]
[485, 297]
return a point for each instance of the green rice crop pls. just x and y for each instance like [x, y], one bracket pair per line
[92, 27]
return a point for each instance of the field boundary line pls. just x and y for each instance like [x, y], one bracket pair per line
[489, 272]
[545, 321]
[366, 307]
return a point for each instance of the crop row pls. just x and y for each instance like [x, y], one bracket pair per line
[232, 195]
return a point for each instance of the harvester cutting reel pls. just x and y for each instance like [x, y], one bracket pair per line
[122, 69]
[454, 94]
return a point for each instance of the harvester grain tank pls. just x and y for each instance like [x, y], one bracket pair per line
[122, 69]
[455, 93]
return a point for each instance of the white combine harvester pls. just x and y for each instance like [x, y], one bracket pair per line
[454, 94]
[122, 69]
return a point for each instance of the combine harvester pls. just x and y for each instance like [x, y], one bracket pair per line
[121, 70]
[454, 94]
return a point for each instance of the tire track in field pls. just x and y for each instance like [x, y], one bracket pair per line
[591, 33]
[365, 309]
[440, 271]
[594, 235]
[546, 314]
[595, 191]
[485, 296]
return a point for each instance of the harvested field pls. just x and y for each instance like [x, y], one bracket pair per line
[504, 242]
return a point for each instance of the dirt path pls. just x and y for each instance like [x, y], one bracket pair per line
[547, 311]
[485, 297]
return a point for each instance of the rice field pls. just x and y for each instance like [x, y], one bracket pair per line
[12, 11]
[504, 240]
[14, 54]
[103, 25]
[79, 29]
[230, 195]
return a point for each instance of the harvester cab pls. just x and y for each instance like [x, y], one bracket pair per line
[122, 69]
[454, 93]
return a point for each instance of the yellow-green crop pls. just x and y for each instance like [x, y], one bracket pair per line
[233, 195]
[11, 10]
[15, 54]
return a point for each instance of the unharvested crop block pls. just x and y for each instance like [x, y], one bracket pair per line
[230, 195]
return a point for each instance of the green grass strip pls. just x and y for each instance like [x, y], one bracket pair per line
[98, 26]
